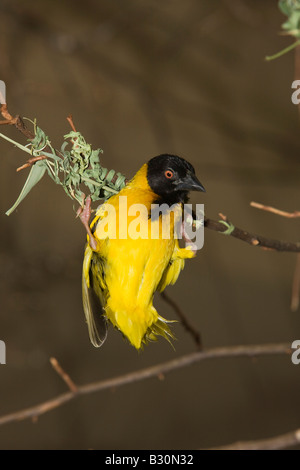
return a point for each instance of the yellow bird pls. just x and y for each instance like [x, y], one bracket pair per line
[128, 257]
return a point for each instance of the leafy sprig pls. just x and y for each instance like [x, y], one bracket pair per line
[74, 166]
[290, 8]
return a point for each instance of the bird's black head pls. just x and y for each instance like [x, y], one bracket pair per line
[172, 178]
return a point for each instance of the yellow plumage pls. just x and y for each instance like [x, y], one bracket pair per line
[125, 273]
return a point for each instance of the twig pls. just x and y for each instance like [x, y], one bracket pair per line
[142, 374]
[15, 121]
[296, 277]
[284, 51]
[282, 441]
[31, 161]
[70, 121]
[289, 215]
[253, 239]
[7, 116]
[66, 378]
[183, 319]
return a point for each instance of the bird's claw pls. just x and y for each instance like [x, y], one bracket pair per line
[188, 221]
[84, 213]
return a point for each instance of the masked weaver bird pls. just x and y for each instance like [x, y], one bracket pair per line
[122, 273]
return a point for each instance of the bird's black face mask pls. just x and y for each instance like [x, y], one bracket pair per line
[172, 178]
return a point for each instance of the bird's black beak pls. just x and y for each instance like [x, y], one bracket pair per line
[189, 183]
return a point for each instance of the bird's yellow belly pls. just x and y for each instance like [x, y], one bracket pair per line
[133, 271]
[134, 268]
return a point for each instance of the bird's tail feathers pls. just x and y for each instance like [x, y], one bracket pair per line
[159, 328]
[139, 325]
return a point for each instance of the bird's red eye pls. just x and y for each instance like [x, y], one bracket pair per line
[169, 174]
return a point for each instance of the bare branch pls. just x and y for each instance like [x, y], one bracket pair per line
[142, 374]
[251, 238]
[183, 319]
[31, 162]
[283, 441]
[296, 277]
[289, 215]
[70, 121]
[15, 121]
[66, 378]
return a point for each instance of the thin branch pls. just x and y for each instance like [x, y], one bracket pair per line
[183, 319]
[251, 238]
[282, 441]
[31, 161]
[70, 121]
[296, 277]
[142, 374]
[66, 378]
[15, 121]
[289, 215]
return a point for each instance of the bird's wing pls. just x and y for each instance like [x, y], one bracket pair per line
[92, 305]
[176, 264]
[171, 273]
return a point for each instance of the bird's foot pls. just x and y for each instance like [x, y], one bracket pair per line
[84, 213]
[188, 242]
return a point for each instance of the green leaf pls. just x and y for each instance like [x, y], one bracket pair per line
[285, 7]
[293, 24]
[94, 159]
[35, 175]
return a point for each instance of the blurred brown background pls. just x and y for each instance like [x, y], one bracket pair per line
[143, 78]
